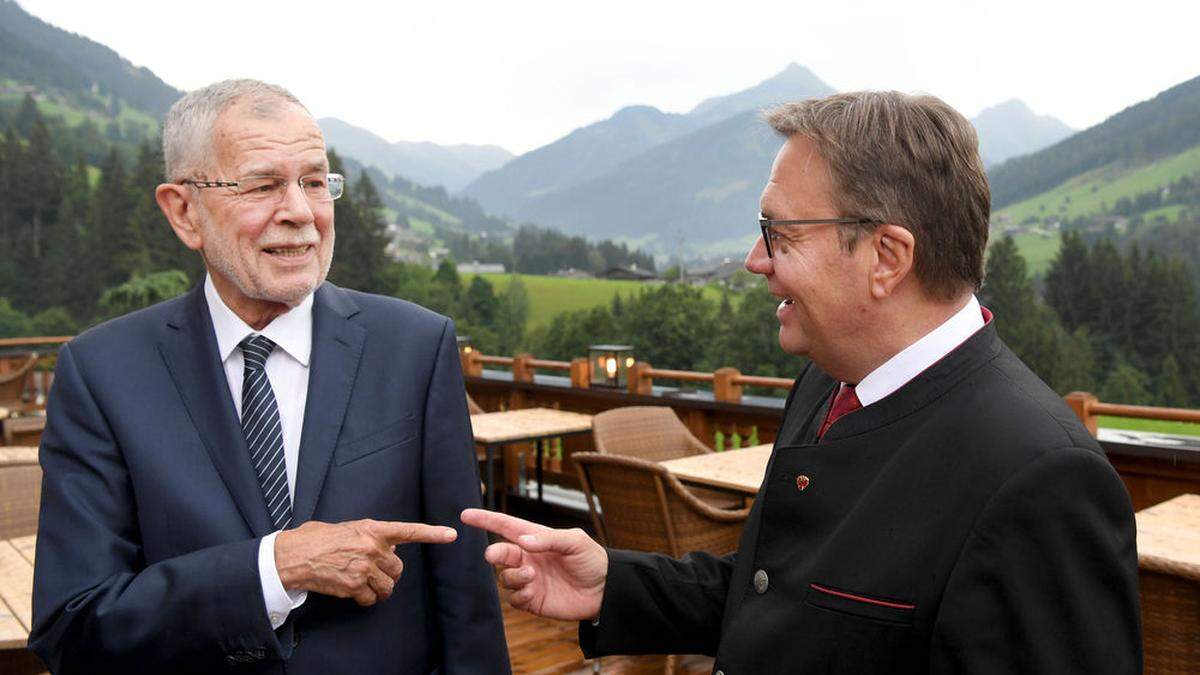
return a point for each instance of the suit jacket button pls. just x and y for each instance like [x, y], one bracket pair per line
[802, 482]
[761, 582]
[719, 672]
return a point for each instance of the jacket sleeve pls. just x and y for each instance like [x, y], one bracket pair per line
[467, 605]
[655, 604]
[1047, 581]
[97, 605]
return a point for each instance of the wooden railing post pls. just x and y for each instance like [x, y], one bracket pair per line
[471, 365]
[725, 386]
[640, 381]
[1081, 403]
[580, 376]
[522, 369]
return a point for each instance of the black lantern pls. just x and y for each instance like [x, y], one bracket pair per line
[609, 365]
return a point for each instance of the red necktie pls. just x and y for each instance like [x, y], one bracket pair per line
[844, 403]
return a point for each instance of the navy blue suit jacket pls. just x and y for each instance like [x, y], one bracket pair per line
[151, 512]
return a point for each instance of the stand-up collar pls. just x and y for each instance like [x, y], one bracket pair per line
[918, 356]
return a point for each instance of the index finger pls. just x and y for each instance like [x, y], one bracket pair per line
[502, 524]
[396, 532]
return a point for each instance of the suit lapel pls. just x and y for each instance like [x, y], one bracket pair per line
[336, 351]
[191, 356]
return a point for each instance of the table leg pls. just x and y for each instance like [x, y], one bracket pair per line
[490, 451]
[538, 468]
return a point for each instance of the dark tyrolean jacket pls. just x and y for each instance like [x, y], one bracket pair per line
[965, 523]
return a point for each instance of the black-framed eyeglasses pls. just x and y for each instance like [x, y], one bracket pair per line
[769, 237]
[317, 187]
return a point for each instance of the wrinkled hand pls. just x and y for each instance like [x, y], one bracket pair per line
[355, 559]
[553, 573]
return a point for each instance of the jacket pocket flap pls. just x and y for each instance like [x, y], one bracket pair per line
[857, 604]
[393, 434]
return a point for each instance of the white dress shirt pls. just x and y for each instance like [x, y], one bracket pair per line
[287, 371]
[915, 358]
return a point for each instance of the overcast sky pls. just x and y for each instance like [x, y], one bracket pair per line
[521, 74]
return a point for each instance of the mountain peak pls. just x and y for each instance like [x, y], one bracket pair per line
[1013, 106]
[793, 83]
[1011, 128]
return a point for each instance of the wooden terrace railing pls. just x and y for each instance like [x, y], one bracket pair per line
[1088, 408]
[1153, 470]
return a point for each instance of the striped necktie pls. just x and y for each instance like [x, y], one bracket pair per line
[264, 433]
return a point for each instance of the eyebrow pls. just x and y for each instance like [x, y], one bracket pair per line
[305, 169]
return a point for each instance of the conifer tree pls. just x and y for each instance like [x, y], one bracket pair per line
[37, 193]
[1128, 385]
[1067, 290]
[512, 315]
[480, 305]
[64, 246]
[1169, 388]
[115, 246]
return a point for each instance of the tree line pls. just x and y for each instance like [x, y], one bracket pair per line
[1122, 324]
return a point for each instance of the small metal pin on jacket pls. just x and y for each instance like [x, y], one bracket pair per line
[802, 482]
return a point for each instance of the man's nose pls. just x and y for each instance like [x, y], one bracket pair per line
[757, 261]
[294, 208]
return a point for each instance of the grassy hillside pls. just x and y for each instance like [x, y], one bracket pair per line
[552, 295]
[73, 115]
[1037, 248]
[1093, 192]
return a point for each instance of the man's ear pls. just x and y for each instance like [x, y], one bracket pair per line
[894, 248]
[181, 213]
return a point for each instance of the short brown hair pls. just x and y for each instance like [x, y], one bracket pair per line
[908, 160]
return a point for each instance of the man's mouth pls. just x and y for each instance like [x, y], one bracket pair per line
[288, 251]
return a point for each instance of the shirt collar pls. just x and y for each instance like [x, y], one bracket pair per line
[290, 331]
[915, 358]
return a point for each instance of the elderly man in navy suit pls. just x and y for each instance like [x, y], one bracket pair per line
[265, 474]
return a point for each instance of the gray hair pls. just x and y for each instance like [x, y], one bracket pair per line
[908, 160]
[190, 124]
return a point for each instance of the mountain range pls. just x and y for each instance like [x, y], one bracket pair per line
[451, 166]
[33, 52]
[1151, 130]
[647, 176]
[658, 178]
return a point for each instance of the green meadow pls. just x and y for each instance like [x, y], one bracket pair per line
[1134, 424]
[549, 295]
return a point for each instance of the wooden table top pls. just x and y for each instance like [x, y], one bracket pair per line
[741, 470]
[528, 423]
[1168, 537]
[18, 454]
[16, 591]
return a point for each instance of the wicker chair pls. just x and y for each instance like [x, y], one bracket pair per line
[646, 508]
[20, 495]
[647, 432]
[1170, 594]
[656, 434]
[12, 384]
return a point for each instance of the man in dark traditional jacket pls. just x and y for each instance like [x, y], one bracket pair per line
[930, 504]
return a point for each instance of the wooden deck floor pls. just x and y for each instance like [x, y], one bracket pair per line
[546, 646]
